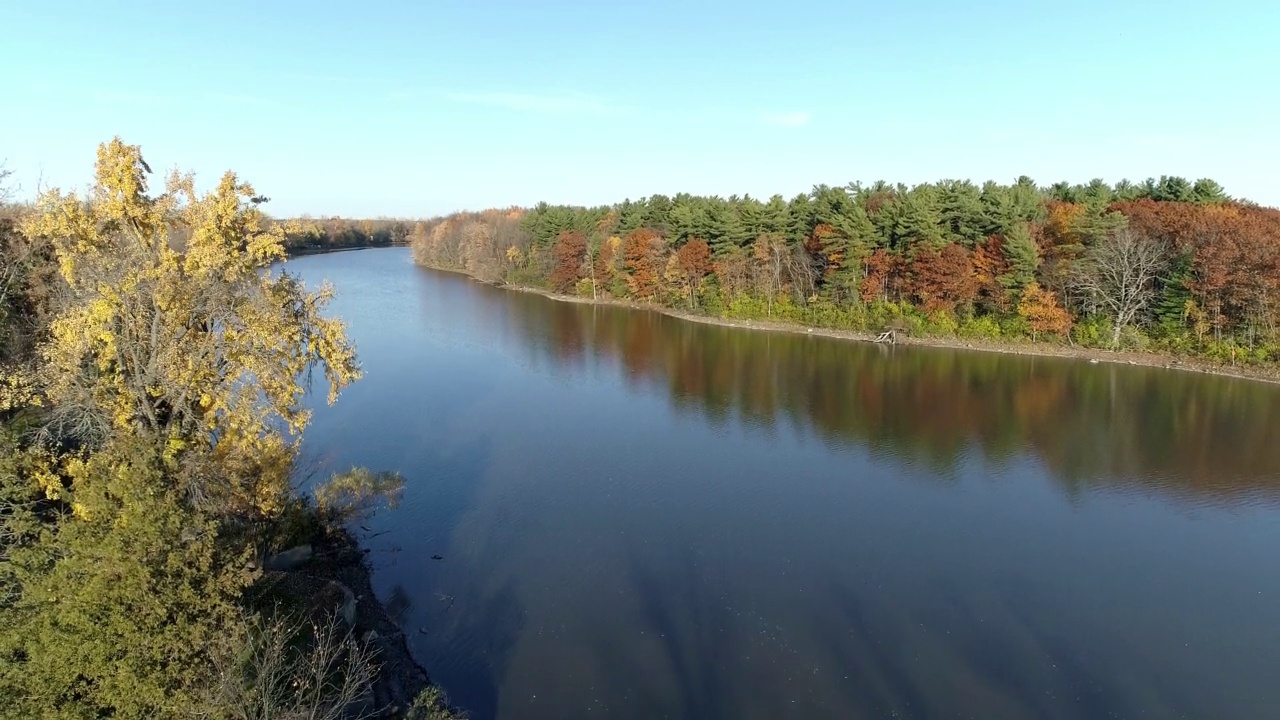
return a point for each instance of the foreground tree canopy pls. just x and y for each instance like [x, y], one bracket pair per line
[152, 375]
[173, 329]
[1167, 263]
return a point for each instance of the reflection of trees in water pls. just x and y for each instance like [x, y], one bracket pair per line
[1134, 427]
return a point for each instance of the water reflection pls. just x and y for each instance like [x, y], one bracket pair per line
[641, 517]
[1193, 437]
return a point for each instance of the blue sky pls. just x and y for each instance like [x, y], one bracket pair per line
[419, 108]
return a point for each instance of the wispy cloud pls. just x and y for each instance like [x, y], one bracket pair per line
[790, 119]
[575, 104]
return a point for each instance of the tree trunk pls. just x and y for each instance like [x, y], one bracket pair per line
[591, 265]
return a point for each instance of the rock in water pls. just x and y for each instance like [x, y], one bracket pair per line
[290, 559]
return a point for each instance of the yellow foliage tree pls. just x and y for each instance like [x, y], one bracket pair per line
[176, 327]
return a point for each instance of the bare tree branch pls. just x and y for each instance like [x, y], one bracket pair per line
[1118, 274]
[296, 670]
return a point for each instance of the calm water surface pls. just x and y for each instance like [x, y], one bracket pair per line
[642, 517]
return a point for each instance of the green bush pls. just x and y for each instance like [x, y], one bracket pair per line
[1221, 351]
[942, 324]
[617, 287]
[526, 277]
[1173, 337]
[1229, 351]
[1014, 327]
[1132, 338]
[824, 313]
[784, 310]
[880, 314]
[710, 297]
[711, 303]
[746, 307]
[1092, 331]
[982, 327]
[116, 612]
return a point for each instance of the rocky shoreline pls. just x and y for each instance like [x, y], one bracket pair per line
[401, 679]
[331, 574]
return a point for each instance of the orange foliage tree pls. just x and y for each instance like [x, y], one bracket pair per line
[642, 257]
[825, 245]
[1061, 243]
[879, 271]
[1060, 232]
[1043, 313]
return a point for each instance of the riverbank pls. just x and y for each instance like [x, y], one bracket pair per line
[304, 251]
[400, 678]
[332, 569]
[1168, 361]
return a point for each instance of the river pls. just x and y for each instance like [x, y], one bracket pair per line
[644, 517]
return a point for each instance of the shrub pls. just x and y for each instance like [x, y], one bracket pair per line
[710, 298]
[1092, 331]
[941, 324]
[1132, 338]
[1015, 327]
[983, 327]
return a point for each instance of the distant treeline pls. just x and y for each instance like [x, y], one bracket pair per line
[310, 235]
[1165, 264]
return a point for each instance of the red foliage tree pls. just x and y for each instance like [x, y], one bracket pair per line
[694, 260]
[989, 264]
[1237, 265]
[1235, 253]
[1182, 226]
[570, 252]
[942, 279]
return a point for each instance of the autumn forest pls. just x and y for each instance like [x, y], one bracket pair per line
[1169, 265]
[151, 415]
